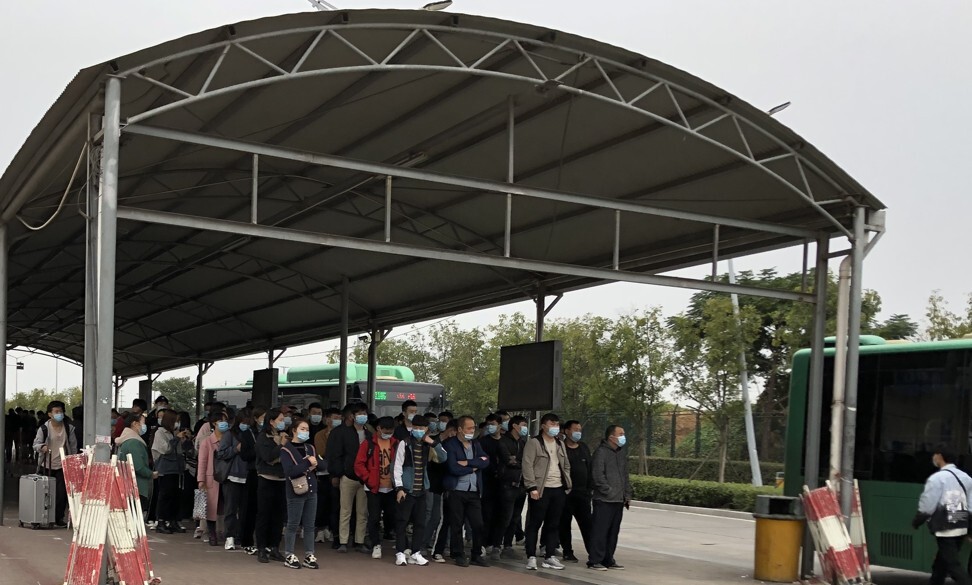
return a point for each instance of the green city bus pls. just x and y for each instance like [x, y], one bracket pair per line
[911, 397]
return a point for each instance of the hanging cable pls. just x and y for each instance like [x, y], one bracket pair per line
[63, 197]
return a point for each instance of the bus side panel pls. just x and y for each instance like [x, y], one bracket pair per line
[795, 425]
[888, 508]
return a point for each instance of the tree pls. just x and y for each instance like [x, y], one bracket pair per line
[181, 392]
[942, 322]
[586, 364]
[897, 326]
[38, 398]
[638, 363]
[707, 362]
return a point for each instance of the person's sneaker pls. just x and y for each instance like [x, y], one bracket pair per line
[310, 561]
[250, 550]
[162, 529]
[276, 555]
[480, 561]
[570, 558]
[494, 555]
[542, 552]
[292, 562]
[462, 562]
[151, 524]
[508, 553]
[376, 552]
[532, 564]
[343, 548]
[328, 535]
[362, 548]
[408, 556]
[438, 558]
[230, 544]
[418, 559]
[319, 537]
[520, 538]
[198, 532]
[552, 563]
[597, 567]
[263, 557]
[400, 559]
[616, 567]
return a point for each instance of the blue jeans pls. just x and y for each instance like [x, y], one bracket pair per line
[300, 510]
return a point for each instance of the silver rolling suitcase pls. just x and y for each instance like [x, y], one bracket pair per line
[36, 500]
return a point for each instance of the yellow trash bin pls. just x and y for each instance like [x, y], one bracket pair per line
[779, 536]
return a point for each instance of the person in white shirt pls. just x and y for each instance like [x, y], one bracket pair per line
[944, 507]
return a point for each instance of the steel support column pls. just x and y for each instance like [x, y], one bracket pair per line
[201, 369]
[541, 303]
[343, 359]
[815, 388]
[3, 364]
[107, 232]
[372, 367]
[858, 250]
[89, 383]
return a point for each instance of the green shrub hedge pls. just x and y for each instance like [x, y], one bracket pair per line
[702, 494]
[705, 470]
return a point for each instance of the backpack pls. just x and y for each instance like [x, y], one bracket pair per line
[952, 513]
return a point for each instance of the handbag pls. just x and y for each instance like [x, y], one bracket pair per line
[953, 514]
[199, 505]
[221, 469]
[300, 484]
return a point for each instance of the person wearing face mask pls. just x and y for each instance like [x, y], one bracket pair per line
[234, 485]
[131, 443]
[466, 461]
[546, 478]
[490, 440]
[409, 411]
[578, 504]
[169, 453]
[271, 498]
[328, 497]
[509, 482]
[315, 418]
[342, 449]
[299, 460]
[205, 474]
[438, 529]
[247, 435]
[411, 478]
[612, 494]
[373, 464]
[53, 435]
[944, 506]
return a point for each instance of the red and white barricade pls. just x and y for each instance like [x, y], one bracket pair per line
[88, 544]
[857, 536]
[833, 543]
[75, 472]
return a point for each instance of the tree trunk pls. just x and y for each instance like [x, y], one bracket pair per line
[643, 460]
[723, 449]
[766, 427]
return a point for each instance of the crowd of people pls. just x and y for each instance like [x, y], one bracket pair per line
[434, 486]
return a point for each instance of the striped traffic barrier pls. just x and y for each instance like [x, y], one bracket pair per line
[75, 472]
[88, 544]
[831, 537]
[857, 537]
[136, 522]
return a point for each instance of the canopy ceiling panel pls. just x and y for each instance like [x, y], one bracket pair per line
[334, 102]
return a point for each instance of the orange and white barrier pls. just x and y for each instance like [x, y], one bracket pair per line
[833, 543]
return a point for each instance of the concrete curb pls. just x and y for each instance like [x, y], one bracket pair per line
[737, 514]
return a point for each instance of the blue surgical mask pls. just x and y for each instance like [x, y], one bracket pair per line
[303, 435]
[316, 419]
[576, 436]
[336, 422]
[244, 427]
[223, 426]
[622, 440]
[386, 436]
[491, 429]
[469, 437]
[143, 429]
[524, 431]
[113, 421]
[361, 419]
[287, 421]
[410, 416]
[506, 425]
[418, 433]
[58, 416]
[553, 431]
[280, 425]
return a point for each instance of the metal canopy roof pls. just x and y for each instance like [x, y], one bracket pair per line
[622, 168]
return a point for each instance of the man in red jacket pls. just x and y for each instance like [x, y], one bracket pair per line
[374, 466]
[138, 407]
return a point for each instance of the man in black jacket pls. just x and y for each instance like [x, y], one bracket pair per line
[612, 493]
[342, 448]
[578, 504]
[509, 483]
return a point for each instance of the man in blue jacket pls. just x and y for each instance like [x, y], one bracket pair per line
[465, 461]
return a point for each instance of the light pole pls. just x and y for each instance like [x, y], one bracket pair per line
[777, 109]
[440, 5]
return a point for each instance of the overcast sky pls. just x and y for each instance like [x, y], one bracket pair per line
[882, 88]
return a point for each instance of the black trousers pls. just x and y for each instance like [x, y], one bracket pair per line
[947, 562]
[465, 507]
[605, 526]
[516, 522]
[502, 515]
[234, 498]
[411, 509]
[579, 508]
[60, 495]
[271, 512]
[545, 512]
[323, 517]
[248, 510]
[169, 495]
[443, 530]
[379, 504]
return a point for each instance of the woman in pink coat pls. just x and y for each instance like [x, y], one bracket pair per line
[204, 475]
